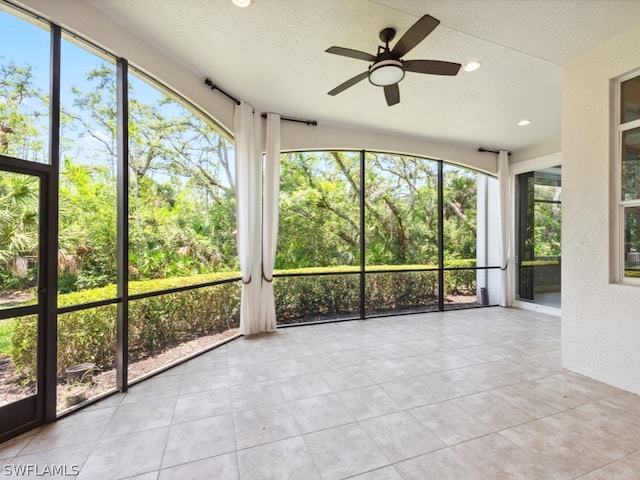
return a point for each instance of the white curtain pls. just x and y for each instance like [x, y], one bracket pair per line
[271, 188]
[505, 225]
[247, 165]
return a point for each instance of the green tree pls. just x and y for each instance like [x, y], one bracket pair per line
[402, 217]
[18, 229]
[459, 211]
[182, 202]
[319, 210]
[22, 105]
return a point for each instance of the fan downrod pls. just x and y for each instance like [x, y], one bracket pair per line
[387, 34]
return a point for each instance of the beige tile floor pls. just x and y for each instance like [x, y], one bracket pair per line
[464, 395]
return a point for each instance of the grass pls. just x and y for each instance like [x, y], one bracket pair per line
[6, 330]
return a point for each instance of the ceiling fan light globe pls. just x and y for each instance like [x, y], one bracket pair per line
[386, 72]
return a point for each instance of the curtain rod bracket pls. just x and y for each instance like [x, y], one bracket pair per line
[486, 150]
[210, 84]
[311, 123]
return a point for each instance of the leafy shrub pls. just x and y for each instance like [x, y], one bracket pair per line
[400, 290]
[460, 281]
[23, 345]
[311, 297]
[540, 263]
[87, 336]
[158, 322]
[155, 323]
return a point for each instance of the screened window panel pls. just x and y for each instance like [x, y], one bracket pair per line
[24, 88]
[630, 99]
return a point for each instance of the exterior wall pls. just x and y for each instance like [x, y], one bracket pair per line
[601, 320]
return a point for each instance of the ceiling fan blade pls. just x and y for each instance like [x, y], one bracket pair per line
[434, 67]
[415, 35]
[392, 94]
[349, 83]
[348, 52]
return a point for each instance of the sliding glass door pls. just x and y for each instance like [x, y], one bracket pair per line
[538, 221]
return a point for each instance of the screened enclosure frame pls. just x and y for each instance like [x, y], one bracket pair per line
[47, 308]
[363, 271]
[50, 176]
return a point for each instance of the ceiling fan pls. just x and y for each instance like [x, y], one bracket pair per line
[388, 68]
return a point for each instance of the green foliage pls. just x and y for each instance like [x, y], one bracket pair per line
[23, 345]
[312, 296]
[6, 331]
[182, 226]
[400, 290]
[22, 105]
[155, 323]
[158, 322]
[460, 281]
[87, 336]
[181, 190]
[18, 229]
[539, 263]
[547, 221]
[182, 200]
[320, 210]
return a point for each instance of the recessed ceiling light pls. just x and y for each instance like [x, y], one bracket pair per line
[241, 3]
[471, 66]
[523, 123]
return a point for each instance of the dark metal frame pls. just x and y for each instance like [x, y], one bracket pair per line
[524, 235]
[440, 236]
[140, 296]
[49, 320]
[26, 413]
[363, 271]
[362, 287]
[29, 412]
[363, 239]
[122, 225]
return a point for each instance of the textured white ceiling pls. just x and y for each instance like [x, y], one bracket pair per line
[271, 54]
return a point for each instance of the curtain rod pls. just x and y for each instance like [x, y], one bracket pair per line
[484, 150]
[289, 119]
[210, 84]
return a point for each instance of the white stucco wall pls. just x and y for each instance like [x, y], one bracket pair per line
[600, 319]
[488, 227]
[296, 136]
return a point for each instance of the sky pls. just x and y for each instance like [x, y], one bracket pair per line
[26, 43]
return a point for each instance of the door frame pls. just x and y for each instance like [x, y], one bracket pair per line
[27, 413]
[515, 169]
